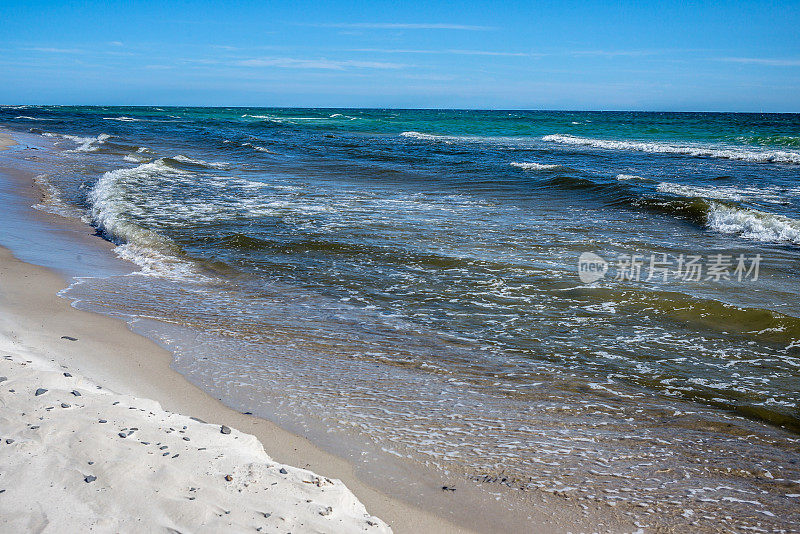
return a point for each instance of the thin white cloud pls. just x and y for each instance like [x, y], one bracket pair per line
[117, 43]
[407, 26]
[617, 53]
[325, 64]
[447, 52]
[54, 50]
[773, 62]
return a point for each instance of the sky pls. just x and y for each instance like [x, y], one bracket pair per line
[681, 56]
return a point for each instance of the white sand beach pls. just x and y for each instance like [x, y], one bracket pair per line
[79, 457]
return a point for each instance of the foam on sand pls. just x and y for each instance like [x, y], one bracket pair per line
[76, 458]
[657, 147]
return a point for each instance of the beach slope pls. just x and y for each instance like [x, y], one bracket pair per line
[76, 456]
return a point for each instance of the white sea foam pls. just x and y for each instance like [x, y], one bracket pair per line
[531, 166]
[701, 192]
[753, 224]
[430, 137]
[116, 205]
[123, 119]
[52, 201]
[212, 164]
[506, 142]
[136, 158]
[25, 117]
[259, 148]
[724, 152]
[634, 177]
[273, 118]
[738, 194]
[85, 144]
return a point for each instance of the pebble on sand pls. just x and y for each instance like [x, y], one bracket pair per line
[225, 430]
[40, 391]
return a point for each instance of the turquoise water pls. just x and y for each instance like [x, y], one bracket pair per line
[410, 277]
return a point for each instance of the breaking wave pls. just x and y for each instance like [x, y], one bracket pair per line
[531, 166]
[85, 144]
[753, 224]
[732, 153]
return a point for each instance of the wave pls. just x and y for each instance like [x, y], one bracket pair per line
[631, 177]
[281, 120]
[135, 158]
[771, 140]
[772, 195]
[727, 217]
[25, 117]
[123, 119]
[259, 148]
[116, 210]
[715, 210]
[701, 192]
[753, 224]
[531, 166]
[430, 137]
[199, 162]
[85, 144]
[732, 153]
[52, 201]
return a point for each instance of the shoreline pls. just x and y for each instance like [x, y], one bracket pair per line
[409, 501]
[117, 359]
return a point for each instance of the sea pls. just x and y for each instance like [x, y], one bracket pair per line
[602, 306]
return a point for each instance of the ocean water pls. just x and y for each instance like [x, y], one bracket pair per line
[410, 278]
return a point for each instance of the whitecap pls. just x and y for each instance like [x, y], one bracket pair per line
[694, 150]
[531, 166]
[753, 224]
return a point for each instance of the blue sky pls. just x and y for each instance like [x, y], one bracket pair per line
[727, 56]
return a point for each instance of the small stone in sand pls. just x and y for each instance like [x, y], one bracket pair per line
[90, 478]
[64, 405]
[67, 375]
[225, 430]
[228, 478]
[40, 391]
[69, 338]
[76, 392]
[102, 421]
[122, 435]
[283, 471]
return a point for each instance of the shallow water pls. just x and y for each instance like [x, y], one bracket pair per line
[411, 278]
